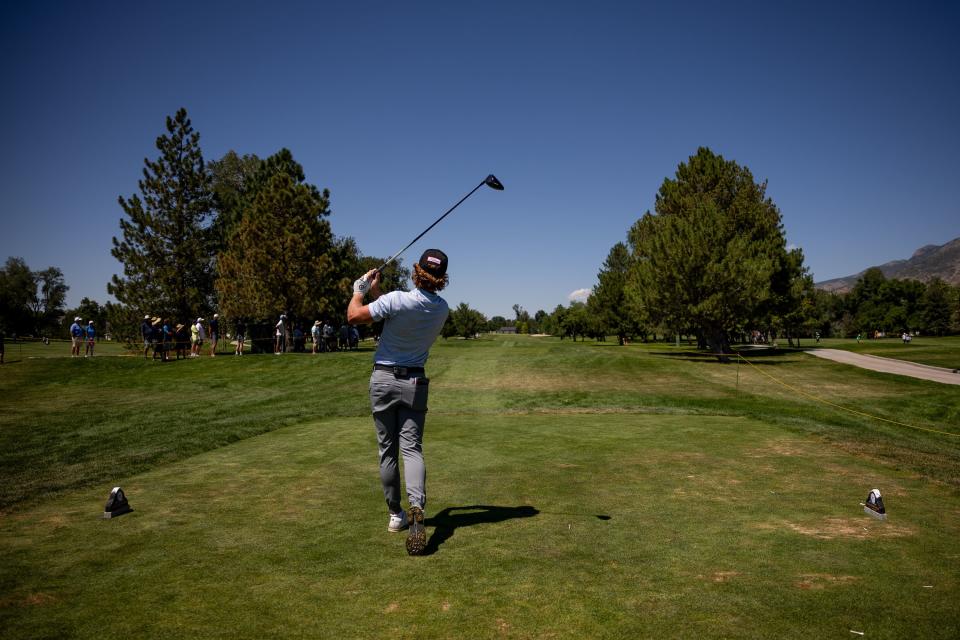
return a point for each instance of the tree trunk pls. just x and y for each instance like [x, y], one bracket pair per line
[718, 343]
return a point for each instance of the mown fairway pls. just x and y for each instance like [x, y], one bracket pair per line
[576, 490]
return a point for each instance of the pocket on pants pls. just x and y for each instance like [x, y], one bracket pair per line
[415, 392]
[382, 396]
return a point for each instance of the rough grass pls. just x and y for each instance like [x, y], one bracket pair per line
[631, 494]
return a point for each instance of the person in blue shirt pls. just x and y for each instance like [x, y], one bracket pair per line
[91, 339]
[167, 339]
[76, 337]
[398, 384]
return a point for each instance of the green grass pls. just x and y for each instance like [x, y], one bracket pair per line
[729, 502]
[938, 352]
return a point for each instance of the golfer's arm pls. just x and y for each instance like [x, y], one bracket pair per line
[357, 312]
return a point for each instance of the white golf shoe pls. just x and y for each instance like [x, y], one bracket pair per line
[398, 522]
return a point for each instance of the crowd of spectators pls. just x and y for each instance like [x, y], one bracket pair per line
[162, 337]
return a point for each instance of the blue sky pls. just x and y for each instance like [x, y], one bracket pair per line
[849, 110]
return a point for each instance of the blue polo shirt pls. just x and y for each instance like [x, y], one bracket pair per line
[413, 322]
[75, 330]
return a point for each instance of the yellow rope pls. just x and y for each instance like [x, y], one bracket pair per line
[841, 407]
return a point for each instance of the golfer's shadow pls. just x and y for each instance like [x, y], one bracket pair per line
[446, 522]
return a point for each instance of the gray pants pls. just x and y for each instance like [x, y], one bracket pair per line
[399, 406]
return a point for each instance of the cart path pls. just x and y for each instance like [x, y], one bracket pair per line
[889, 365]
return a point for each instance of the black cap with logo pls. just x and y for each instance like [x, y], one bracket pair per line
[434, 262]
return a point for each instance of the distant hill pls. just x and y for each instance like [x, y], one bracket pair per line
[926, 263]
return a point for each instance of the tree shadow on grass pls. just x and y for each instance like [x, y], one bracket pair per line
[764, 356]
[446, 522]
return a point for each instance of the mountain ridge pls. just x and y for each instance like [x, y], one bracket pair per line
[928, 262]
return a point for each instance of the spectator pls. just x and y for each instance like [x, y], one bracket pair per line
[201, 335]
[315, 334]
[91, 339]
[280, 334]
[76, 337]
[214, 334]
[241, 330]
[156, 337]
[298, 339]
[2, 338]
[329, 337]
[354, 338]
[166, 340]
[146, 331]
[344, 342]
[194, 340]
[181, 338]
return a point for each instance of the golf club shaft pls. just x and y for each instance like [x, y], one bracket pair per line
[398, 253]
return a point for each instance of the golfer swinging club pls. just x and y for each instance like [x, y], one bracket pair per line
[398, 386]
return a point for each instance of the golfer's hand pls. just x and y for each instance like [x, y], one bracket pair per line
[374, 278]
[361, 286]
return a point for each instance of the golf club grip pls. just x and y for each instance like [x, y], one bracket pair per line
[449, 211]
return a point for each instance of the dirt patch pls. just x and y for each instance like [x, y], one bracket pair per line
[30, 600]
[818, 581]
[841, 528]
[724, 576]
[787, 448]
[393, 607]
[445, 606]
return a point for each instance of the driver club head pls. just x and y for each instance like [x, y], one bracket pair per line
[492, 182]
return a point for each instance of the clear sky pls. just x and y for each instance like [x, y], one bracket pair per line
[848, 109]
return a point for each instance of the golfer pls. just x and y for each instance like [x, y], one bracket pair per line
[398, 384]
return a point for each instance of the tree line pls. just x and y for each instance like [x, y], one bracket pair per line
[251, 238]
[712, 262]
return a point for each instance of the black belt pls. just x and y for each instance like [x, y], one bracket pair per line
[400, 372]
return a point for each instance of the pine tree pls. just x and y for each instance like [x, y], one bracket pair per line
[714, 256]
[282, 256]
[166, 250]
[609, 302]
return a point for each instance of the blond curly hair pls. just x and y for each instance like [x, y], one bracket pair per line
[422, 279]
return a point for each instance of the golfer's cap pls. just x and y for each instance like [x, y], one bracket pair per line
[91, 322]
[146, 317]
[199, 319]
[77, 319]
[434, 262]
[216, 315]
[316, 322]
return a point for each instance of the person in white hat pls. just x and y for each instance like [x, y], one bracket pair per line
[315, 333]
[146, 332]
[91, 340]
[280, 334]
[201, 335]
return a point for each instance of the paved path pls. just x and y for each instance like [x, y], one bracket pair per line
[889, 365]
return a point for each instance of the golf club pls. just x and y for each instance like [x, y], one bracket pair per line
[491, 181]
